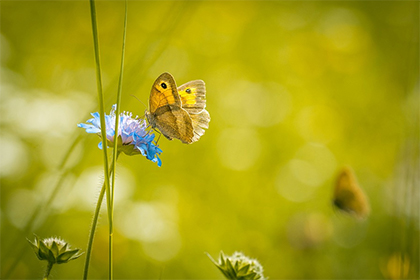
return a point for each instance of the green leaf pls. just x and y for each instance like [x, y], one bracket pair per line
[34, 245]
[54, 249]
[76, 256]
[35, 248]
[212, 260]
[63, 249]
[229, 265]
[244, 270]
[36, 239]
[44, 252]
[251, 276]
[227, 274]
[67, 256]
[236, 265]
[222, 258]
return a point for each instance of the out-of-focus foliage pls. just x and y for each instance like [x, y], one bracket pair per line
[296, 90]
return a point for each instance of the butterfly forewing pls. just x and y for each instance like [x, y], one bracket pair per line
[164, 92]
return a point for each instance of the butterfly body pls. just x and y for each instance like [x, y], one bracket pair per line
[178, 112]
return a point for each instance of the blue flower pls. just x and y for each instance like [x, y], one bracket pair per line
[133, 135]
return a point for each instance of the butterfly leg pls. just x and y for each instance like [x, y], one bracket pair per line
[160, 134]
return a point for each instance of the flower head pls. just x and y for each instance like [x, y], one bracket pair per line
[54, 250]
[239, 267]
[133, 137]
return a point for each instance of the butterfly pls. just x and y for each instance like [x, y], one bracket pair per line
[348, 196]
[178, 112]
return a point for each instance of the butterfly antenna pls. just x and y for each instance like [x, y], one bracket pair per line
[142, 117]
[139, 100]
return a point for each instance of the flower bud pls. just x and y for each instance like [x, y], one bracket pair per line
[239, 267]
[54, 250]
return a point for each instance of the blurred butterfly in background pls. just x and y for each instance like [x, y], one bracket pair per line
[178, 112]
[348, 196]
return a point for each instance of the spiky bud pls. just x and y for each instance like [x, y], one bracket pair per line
[54, 250]
[239, 267]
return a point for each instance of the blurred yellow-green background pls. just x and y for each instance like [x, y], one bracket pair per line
[296, 91]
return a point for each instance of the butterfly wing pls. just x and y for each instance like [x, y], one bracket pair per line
[174, 122]
[164, 92]
[193, 99]
[165, 111]
[200, 122]
[193, 96]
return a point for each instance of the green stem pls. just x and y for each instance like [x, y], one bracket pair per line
[103, 126]
[118, 110]
[92, 232]
[115, 153]
[94, 223]
[48, 270]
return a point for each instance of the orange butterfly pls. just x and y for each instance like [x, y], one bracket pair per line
[178, 112]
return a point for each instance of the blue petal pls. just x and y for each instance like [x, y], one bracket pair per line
[159, 162]
[89, 128]
[143, 149]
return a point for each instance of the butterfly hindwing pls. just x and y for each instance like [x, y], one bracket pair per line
[193, 99]
[200, 122]
[174, 122]
[193, 96]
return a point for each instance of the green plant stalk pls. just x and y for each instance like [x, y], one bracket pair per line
[94, 223]
[118, 110]
[92, 232]
[102, 119]
[115, 152]
[48, 270]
